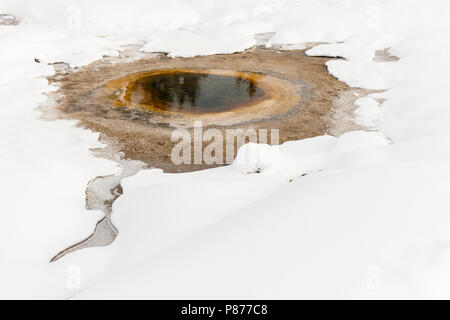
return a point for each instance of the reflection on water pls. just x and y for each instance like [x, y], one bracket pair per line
[194, 92]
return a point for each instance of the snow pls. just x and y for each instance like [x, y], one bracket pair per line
[368, 113]
[363, 215]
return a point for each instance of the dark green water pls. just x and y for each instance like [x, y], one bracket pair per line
[194, 92]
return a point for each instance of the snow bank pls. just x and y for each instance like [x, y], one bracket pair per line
[363, 228]
[45, 167]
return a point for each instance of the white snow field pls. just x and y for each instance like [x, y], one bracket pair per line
[370, 219]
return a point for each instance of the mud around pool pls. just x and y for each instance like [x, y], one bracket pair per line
[137, 103]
